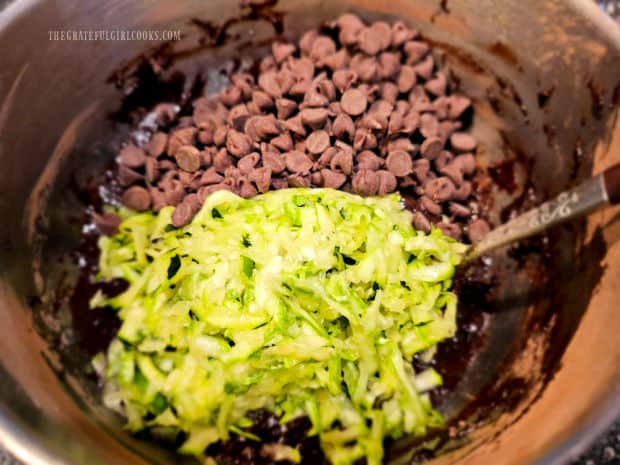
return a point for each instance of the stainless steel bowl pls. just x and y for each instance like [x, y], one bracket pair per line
[546, 83]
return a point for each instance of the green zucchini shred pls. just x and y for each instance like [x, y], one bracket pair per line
[299, 301]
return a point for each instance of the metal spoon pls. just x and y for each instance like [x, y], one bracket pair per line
[601, 190]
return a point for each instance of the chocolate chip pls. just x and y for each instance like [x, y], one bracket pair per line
[401, 106]
[306, 41]
[206, 157]
[174, 191]
[463, 192]
[132, 156]
[353, 102]
[431, 147]
[314, 99]
[247, 189]
[343, 79]
[406, 79]
[205, 136]
[421, 223]
[230, 96]
[443, 159]
[336, 60]
[350, 26]
[243, 81]
[462, 142]
[262, 100]
[127, 176]
[297, 162]
[282, 50]
[157, 144]
[389, 64]
[428, 125]
[268, 63]
[477, 229]
[151, 170]
[440, 189]
[415, 50]
[284, 142]
[303, 69]
[107, 223]
[332, 179]
[222, 160]
[411, 122]
[401, 34]
[387, 182]
[313, 117]
[388, 92]
[326, 157]
[343, 126]
[286, 79]
[364, 139]
[453, 171]
[268, 82]
[457, 104]
[365, 182]
[185, 211]
[317, 142]
[316, 179]
[458, 210]
[285, 107]
[368, 160]
[447, 128]
[466, 162]
[420, 169]
[380, 111]
[399, 163]
[261, 177]
[322, 46]
[188, 158]
[211, 176]
[395, 123]
[334, 109]
[437, 85]
[327, 89]
[402, 143]
[136, 198]
[367, 68]
[220, 135]
[248, 163]
[279, 183]
[424, 68]
[300, 87]
[342, 161]
[266, 126]
[237, 143]
[298, 180]
[429, 205]
[158, 201]
[371, 40]
[274, 161]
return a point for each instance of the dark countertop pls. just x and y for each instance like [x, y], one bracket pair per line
[606, 450]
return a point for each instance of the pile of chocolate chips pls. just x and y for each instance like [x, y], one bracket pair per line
[350, 106]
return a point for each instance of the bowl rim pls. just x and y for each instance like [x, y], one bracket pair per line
[16, 440]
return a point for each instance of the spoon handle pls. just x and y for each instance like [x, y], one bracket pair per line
[603, 189]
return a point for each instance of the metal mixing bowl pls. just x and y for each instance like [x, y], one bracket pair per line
[545, 81]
